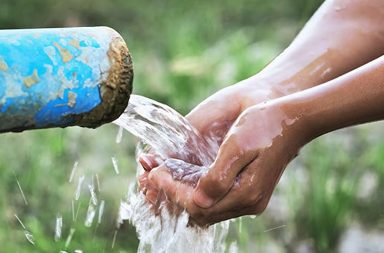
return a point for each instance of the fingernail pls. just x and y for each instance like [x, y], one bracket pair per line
[146, 163]
[202, 200]
[151, 197]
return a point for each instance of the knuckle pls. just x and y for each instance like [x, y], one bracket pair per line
[255, 198]
[260, 206]
[257, 202]
[151, 176]
[248, 195]
[154, 175]
[198, 222]
[218, 185]
[197, 214]
[194, 212]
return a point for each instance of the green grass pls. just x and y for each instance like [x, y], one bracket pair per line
[42, 162]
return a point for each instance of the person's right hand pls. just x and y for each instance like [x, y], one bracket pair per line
[213, 118]
[250, 161]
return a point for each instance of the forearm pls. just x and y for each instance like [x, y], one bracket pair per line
[341, 36]
[354, 98]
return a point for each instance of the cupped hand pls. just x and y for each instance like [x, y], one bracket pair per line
[250, 161]
[212, 118]
[215, 115]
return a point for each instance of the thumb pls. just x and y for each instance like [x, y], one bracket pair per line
[219, 179]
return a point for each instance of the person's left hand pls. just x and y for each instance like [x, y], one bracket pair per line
[212, 118]
[250, 161]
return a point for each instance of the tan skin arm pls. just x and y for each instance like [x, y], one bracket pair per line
[286, 124]
[341, 36]
[352, 99]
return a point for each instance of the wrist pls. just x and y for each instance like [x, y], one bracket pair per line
[276, 82]
[299, 115]
[287, 77]
[273, 87]
[352, 99]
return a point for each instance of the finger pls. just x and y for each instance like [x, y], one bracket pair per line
[222, 216]
[151, 196]
[244, 198]
[175, 191]
[186, 172]
[143, 180]
[231, 159]
[148, 161]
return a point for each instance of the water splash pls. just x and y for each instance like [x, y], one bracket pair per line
[166, 131]
[167, 134]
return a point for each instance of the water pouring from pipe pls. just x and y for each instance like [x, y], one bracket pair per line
[174, 141]
[83, 77]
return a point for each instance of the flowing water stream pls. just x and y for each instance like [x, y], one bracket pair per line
[187, 155]
[163, 131]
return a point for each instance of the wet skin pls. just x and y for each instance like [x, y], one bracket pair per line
[263, 121]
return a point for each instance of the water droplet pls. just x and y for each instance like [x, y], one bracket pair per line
[114, 239]
[101, 211]
[69, 238]
[74, 168]
[115, 166]
[119, 135]
[78, 189]
[274, 228]
[98, 182]
[18, 219]
[73, 210]
[29, 237]
[91, 211]
[22, 192]
[93, 194]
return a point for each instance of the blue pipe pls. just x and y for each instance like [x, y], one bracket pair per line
[62, 77]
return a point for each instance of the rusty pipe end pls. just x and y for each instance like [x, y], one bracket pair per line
[115, 90]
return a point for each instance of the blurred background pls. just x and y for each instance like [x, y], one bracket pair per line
[330, 199]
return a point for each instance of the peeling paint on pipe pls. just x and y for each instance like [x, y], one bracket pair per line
[62, 77]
